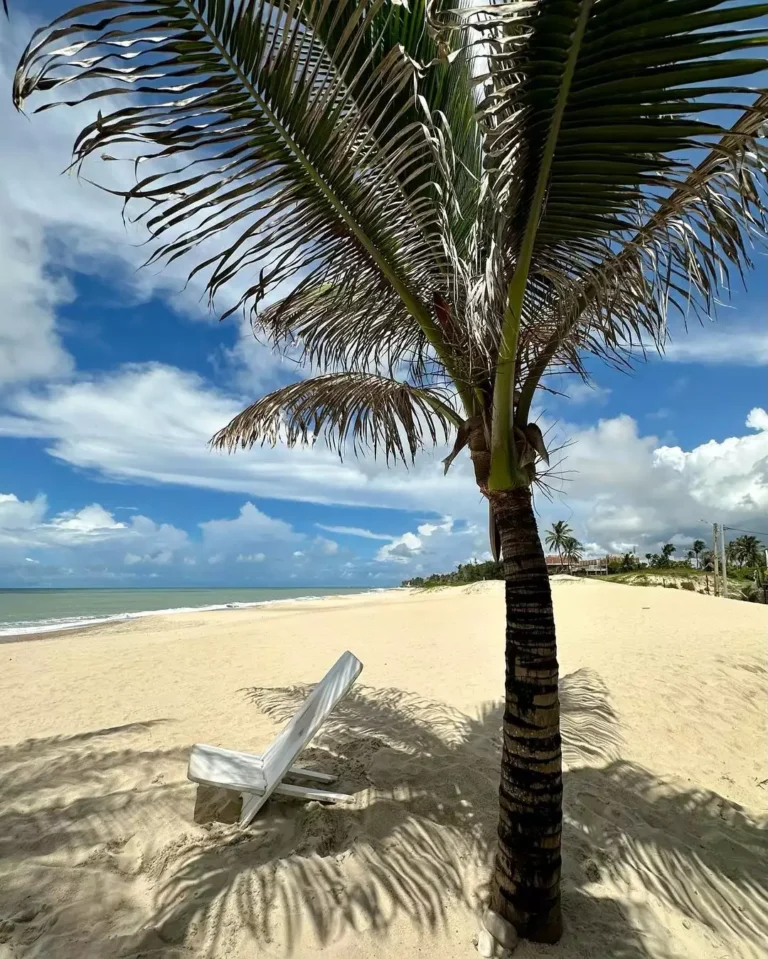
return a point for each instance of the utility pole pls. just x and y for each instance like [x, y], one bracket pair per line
[715, 561]
[722, 557]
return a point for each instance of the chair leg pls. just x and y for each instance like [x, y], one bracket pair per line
[308, 792]
[252, 802]
[311, 774]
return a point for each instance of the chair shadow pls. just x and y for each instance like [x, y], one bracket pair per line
[417, 844]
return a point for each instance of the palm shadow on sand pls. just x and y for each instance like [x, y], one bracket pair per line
[416, 845]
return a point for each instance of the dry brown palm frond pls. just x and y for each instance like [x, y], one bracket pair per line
[368, 411]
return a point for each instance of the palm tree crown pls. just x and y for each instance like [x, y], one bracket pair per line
[558, 535]
[461, 199]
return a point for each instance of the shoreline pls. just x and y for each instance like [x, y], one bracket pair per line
[86, 626]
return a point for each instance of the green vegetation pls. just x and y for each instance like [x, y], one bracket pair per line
[463, 574]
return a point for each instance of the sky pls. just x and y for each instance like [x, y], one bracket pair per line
[113, 378]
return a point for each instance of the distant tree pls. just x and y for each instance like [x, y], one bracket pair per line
[572, 550]
[648, 558]
[747, 550]
[556, 537]
[665, 559]
[464, 573]
[697, 549]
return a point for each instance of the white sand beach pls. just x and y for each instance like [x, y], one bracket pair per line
[108, 851]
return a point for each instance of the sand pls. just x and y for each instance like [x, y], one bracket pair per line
[107, 851]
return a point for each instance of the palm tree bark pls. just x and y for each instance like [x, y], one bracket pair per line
[526, 884]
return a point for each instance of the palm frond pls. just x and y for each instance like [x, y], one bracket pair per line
[592, 109]
[369, 411]
[681, 258]
[283, 139]
[617, 130]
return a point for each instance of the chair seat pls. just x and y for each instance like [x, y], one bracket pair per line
[228, 768]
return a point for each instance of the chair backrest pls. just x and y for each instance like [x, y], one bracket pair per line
[315, 710]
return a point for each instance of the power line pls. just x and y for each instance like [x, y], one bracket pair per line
[752, 532]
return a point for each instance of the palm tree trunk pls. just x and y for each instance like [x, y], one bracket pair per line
[526, 883]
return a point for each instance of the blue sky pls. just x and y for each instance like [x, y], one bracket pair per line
[112, 380]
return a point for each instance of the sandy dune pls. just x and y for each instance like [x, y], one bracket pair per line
[107, 851]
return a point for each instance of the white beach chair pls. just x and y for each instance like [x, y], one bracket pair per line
[257, 777]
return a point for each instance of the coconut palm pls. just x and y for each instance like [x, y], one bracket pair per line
[666, 554]
[748, 550]
[697, 549]
[437, 206]
[572, 550]
[557, 536]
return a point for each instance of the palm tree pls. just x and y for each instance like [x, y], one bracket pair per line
[666, 553]
[748, 550]
[629, 561]
[572, 550]
[436, 206]
[557, 536]
[697, 549]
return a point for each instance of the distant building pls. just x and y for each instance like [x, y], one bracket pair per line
[582, 567]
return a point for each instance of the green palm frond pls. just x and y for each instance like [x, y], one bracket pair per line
[681, 257]
[283, 139]
[591, 112]
[369, 411]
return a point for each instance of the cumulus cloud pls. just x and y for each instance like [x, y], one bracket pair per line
[52, 224]
[626, 488]
[87, 542]
[87, 545]
[435, 547]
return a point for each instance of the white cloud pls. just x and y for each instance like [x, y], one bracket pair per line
[251, 558]
[436, 546]
[250, 527]
[52, 224]
[30, 345]
[626, 488]
[162, 558]
[151, 424]
[724, 342]
[327, 546]
[354, 531]
[400, 550]
[580, 392]
[16, 514]
[89, 541]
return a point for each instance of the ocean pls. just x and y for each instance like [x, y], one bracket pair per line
[48, 610]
